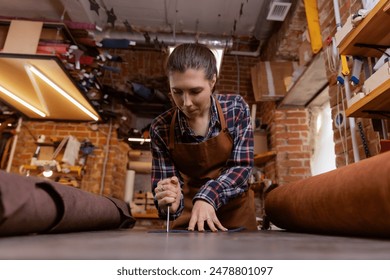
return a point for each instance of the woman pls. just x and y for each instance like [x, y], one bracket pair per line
[202, 149]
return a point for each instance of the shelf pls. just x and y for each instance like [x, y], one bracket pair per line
[308, 86]
[46, 144]
[374, 105]
[75, 170]
[372, 30]
[263, 158]
[145, 215]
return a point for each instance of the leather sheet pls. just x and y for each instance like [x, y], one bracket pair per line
[34, 205]
[189, 231]
[351, 200]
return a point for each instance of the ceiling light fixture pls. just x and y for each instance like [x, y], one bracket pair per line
[47, 171]
[62, 92]
[141, 140]
[21, 101]
[36, 88]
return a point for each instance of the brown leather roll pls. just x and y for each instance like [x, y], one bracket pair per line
[143, 167]
[35, 205]
[24, 210]
[351, 200]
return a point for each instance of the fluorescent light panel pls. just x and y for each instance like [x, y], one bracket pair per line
[141, 140]
[36, 88]
[21, 101]
[62, 92]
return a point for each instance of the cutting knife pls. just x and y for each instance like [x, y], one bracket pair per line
[168, 217]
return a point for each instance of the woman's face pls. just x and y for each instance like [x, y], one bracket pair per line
[191, 91]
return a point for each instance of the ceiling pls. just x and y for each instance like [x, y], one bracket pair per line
[239, 26]
[218, 17]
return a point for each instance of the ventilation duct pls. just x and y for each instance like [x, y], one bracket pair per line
[278, 11]
[264, 27]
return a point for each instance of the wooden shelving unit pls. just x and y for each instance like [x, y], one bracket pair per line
[374, 105]
[372, 31]
[142, 206]
[263, 158]
[370, 38]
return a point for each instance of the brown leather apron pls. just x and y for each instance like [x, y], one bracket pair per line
[200, 162]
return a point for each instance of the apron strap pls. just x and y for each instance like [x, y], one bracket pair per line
[221, 116]
[172, 131]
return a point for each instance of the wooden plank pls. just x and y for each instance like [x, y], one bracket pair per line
[376, 104]
[310, 83]
[23, 37]
[255, 83]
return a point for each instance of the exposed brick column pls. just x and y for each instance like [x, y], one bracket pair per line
[290, 134]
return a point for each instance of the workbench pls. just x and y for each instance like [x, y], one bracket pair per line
[142, 244]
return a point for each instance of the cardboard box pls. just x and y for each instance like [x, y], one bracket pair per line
[355, 98]
[343, 32]
[305, 53]
[378, 78]
[269, 78]
[46, 152]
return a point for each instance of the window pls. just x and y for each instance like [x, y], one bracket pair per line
[323, 158]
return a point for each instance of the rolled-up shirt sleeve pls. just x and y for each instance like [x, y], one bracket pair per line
[162, 165]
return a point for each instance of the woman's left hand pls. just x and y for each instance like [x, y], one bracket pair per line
[203, 212]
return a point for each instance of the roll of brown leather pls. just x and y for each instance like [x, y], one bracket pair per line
[143, 167]
[35, 205]
[24, 210]
[134, 154]
[351, 200]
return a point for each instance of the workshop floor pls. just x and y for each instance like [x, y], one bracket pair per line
[143, 244]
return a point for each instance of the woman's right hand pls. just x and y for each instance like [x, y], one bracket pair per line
[168, 192]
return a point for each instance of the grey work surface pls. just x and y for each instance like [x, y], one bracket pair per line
[143, 245]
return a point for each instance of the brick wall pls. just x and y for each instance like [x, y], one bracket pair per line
[115, 171]
[235, 76]
[288, 130]
[145, 67]
[284, 44]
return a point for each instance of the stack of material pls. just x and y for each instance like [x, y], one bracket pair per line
[32, 205]
[143, 205]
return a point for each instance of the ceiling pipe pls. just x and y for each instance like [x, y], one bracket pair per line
[165, 39]
[256, 53]
[149, 39]
[263, 29]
